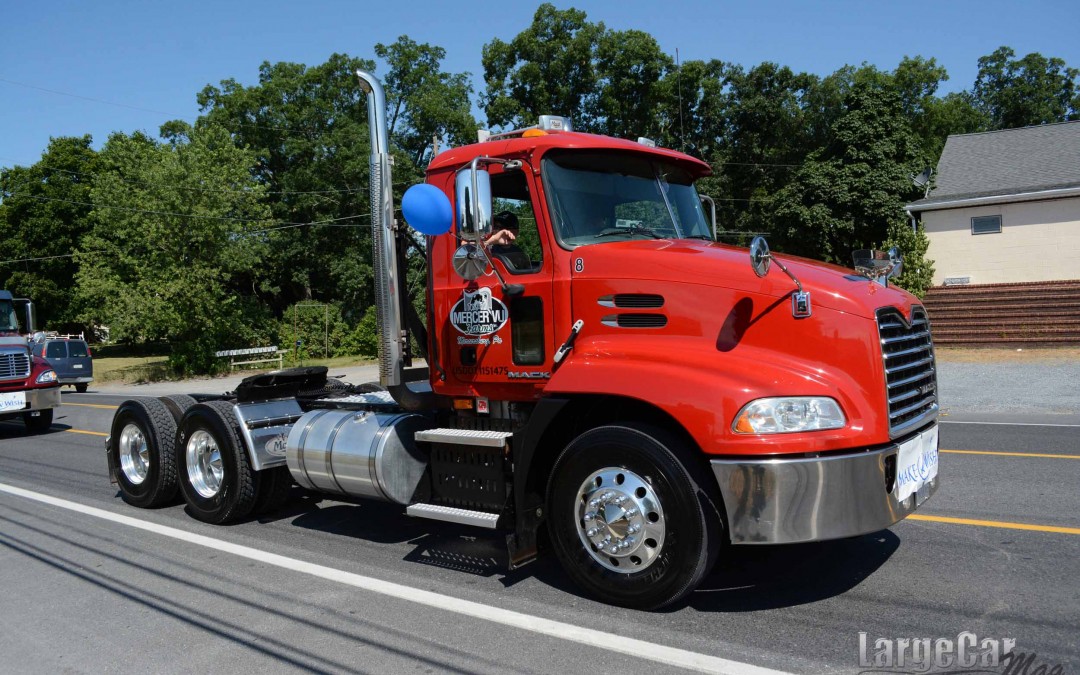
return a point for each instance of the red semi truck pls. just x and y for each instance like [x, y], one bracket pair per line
[604, 381]
[28, 385]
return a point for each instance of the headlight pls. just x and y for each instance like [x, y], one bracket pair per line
[788, 414]
[47, 377]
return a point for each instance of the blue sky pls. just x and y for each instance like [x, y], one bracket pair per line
[157, 56]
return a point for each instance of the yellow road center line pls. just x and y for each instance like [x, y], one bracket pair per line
[93, 405]
[83, 431]
[1010, 454]
[995, 523]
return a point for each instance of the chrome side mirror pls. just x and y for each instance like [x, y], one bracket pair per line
[897, 257]
[472, 189]
[760, 259]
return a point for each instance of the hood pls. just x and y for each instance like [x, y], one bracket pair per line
[723, 266]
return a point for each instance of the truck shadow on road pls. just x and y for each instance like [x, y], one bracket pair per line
[746, 579]
[754, 578]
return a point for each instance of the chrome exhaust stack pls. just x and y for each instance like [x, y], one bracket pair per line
[392, 333]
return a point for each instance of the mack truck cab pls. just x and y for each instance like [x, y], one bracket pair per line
[620, 388]
[29, 388]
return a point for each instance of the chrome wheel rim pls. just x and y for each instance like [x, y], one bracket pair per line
[204, 468]
[134, 454]
[620, 520]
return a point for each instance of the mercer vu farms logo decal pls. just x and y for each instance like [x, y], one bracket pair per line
[477, 313]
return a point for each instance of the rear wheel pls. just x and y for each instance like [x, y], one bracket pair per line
[141, 453]
[631, 517]
[177, 404]
[215, 476]
[82, 387]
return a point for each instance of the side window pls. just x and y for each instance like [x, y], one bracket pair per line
[56, 350]
[513, 210]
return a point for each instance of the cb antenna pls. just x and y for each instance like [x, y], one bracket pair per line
[678, 78]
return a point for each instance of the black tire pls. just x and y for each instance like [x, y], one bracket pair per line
[685, 531]
[145, 481]
[177, 404]
[82, 387]
[40, 423]
[275, 486]
[222, 498]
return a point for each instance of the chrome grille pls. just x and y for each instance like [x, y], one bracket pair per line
[14, 365]
[910, 372]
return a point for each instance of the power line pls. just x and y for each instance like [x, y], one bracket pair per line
[280, 225]
[90, 174]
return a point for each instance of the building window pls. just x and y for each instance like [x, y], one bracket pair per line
[986, 225]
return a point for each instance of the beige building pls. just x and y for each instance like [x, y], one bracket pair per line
[1006, 207]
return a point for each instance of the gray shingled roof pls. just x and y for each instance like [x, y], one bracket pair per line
[1008, 162]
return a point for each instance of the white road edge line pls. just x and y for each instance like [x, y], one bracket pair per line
[1008, 424]
[587, 636]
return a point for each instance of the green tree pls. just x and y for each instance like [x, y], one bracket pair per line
[1024, 92]
[177, 232]
[307, 130]
[917, 274]
[629, 90]
[547, 69]
[848, 194]
[43, 216]
[424, 102]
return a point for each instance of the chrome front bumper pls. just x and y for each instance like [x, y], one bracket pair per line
[786, 501]
[36, 399]
[41, 399]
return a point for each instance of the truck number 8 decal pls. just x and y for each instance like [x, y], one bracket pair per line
[579, 265]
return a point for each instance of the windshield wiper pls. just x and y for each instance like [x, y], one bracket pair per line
[698, 236]
[616, 231]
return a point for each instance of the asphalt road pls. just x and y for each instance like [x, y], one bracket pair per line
[85, 591]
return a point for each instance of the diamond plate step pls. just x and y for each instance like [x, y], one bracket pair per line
[490, 439]
[450, 514]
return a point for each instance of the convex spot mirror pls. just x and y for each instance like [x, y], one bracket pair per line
[760, 259]
[473, 194]
[427, 210]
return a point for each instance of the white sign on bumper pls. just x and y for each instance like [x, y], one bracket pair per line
[14, 400]
[916, 463]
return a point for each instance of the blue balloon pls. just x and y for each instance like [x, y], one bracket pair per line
[427, 209]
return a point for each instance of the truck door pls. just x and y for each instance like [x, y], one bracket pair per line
[501, 344]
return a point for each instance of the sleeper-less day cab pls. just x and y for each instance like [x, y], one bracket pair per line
[620, 389]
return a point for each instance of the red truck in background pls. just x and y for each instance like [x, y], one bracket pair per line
[604, 379]
[28, 385]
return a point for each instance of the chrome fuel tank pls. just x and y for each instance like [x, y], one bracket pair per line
[357, 453]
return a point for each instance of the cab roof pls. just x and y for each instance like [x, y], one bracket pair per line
[455, 158]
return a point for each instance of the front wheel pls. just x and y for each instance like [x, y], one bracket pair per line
[38, 423]
[631, 517]
[215, 476]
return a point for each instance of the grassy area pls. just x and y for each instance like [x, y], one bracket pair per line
[138, 369]
[130, 369]
[1006, 354]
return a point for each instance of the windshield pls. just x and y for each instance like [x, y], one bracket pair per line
[597, 197]
[7, 316]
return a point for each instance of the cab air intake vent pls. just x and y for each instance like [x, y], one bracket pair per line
[632, 301]
[635, 320]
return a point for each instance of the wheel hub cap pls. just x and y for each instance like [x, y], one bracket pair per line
[620, 520]
[134, 454]
[204, 468]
